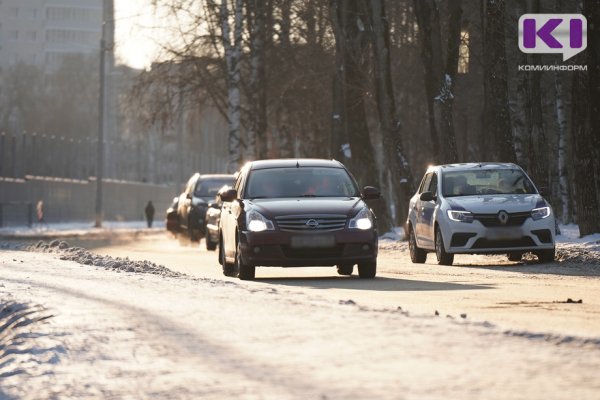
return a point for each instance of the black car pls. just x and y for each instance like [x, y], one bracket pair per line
[172, 220]
[296, 213]
[193, 202]
[213, 216]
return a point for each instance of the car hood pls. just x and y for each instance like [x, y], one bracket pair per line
[492, 204]
[272, 208]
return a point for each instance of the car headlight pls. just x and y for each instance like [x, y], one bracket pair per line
[363, 220]
[256, 222]
[460, 216]
[539, 213]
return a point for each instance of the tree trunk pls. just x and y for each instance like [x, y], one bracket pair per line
[386, 107]
[232, 58]
[561, 120]
[496, 118]
[256, 143]
[440, 75]
[349, 29]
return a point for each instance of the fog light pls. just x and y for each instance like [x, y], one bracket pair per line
[366, 247]
[256, 250]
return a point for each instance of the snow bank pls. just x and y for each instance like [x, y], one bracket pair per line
[84, 257]
[78, 229]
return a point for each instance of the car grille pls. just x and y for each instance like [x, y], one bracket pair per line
[491, 220]
[309, 223]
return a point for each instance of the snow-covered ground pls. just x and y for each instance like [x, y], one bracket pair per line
[69, 229]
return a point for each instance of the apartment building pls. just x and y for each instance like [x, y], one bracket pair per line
[42, 32]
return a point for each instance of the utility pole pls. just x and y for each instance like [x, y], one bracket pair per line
[100, 145]
[106, 51]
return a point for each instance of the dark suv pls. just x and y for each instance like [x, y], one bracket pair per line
[297, 213]
[193, 202]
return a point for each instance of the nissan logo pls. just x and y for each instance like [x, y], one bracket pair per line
[503, 217]
[312, 223]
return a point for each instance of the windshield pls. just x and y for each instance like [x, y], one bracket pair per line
[300, 182]
[486, 181]
[210, 187]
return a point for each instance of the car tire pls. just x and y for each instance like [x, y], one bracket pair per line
[345, 269]
[245, 272]
[440, 252]
[417, 255]
[514, 256]
[546, 256]
[210, 245]
[228, 268]
[367, 270]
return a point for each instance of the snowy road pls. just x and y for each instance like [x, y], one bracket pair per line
[300, 333]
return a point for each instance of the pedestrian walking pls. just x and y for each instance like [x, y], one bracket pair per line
[39, 208]
[149, 210]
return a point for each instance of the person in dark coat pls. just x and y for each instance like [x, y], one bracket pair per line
[149, 210]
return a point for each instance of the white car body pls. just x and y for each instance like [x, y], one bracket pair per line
[489, 222]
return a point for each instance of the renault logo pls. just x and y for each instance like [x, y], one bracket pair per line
[312, 223]
[503, 217]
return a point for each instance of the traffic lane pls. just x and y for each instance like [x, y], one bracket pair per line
[482, 288]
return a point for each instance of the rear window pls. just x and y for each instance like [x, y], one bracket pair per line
[210, 187]
[300, 182]
[486, 181]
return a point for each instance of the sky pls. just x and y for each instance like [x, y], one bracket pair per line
[136, 34]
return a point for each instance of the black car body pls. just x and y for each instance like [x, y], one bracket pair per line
[172, 220]
[213, 216]
[193, 202]
[296, 213]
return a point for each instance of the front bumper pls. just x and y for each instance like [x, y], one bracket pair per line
[475, 238]
[274, 248]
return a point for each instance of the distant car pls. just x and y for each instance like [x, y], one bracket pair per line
[296, 213]
[213, 216]
[486, 208]
[172, 220]
[193, 202]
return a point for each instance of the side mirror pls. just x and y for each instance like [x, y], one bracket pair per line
[427, 196]
[215, 205]
[544, 191]
[370, 193]
[228, 195]
[188, 196]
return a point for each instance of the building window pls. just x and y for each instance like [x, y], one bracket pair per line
[31, 36]
[463, 53]
[13, 35]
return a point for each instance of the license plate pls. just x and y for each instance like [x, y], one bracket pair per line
[504, 233]
[312, 241]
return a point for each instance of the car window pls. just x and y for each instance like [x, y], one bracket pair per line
[300, 182]
[210, 187]
[433, 183]
[425, 182]
[486, 181]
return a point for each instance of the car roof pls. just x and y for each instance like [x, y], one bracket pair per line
[471, 166]
[216, 176]
[294, 162]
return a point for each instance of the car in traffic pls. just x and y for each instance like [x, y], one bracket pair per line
[199, 191]
[171, 218]
[213, 216]
[479, 208]
[297, 213]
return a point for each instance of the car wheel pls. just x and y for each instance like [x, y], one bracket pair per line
[345, 269]
[210, 245]
[442, 257]
[228, 268]
[514, 256]
[546, 256]
[245, 272]
[417, 255]
[367, 270]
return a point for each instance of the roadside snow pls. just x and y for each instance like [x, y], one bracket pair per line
[117, 334]
[76, 229]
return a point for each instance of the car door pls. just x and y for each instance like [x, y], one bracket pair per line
[429, 211]
[185, 202]
[229, 221]
[419, 229]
